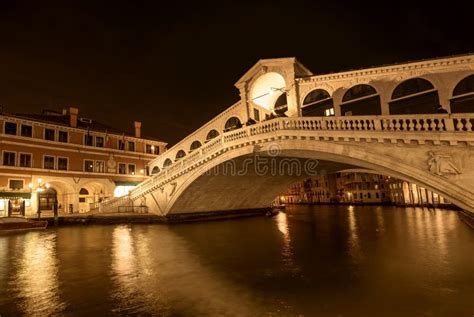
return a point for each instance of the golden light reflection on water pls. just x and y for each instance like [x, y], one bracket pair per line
[124, 268]
[287, 251]
[354, 241]
[36, 280]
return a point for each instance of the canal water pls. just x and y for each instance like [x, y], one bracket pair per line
[309, 261]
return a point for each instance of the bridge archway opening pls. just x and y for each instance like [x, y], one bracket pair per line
[194, 146]
[155, 170]
[463, 96]
[167, 163]
[414, 96]
[281, 105]
[211, 135]
[180, 154]
[267, 89]
[361, 100]
[232, 123]
[317, 103]
[261, 189]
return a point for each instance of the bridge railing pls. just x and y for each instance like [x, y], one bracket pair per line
[429, 123]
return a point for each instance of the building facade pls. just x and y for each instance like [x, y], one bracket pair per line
[361, 188]
[71, 161]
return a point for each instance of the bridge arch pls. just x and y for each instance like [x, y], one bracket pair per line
[414, 96]
[261, 189]
[155, 170]
[462, 100]
[167, 163]
[180, 154]
[195, 145]
[212, 134]
[317, 103]
[362, 99]
[232, 123]
[266, 90]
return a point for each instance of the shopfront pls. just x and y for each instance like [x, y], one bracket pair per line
[14, 204]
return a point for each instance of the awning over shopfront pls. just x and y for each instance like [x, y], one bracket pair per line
[14, 195]
[126, 183]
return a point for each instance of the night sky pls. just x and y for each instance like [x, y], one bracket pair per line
[173, 65]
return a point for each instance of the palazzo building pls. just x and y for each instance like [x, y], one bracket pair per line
[65, 159]
[361, 188]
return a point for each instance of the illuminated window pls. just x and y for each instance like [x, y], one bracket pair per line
[88, 166]
[131, 169]
[120, 191]
[329, 112]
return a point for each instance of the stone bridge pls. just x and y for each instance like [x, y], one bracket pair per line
[411, 121]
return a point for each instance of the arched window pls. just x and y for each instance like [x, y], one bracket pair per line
[83, 191]
[212, 134]
[281, 105]
[317, 103]
[167, 163]
[155, 170]
[416, 95]
[232, 124]
[195, 145]
[180, 154]
[463, 96]
[361, 100]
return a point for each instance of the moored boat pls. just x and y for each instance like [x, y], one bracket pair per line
[21, 224]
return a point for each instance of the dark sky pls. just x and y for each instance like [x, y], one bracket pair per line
[172, 65]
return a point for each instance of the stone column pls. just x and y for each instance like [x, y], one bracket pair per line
[243, 88]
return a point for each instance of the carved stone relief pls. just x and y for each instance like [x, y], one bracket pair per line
[442, 164]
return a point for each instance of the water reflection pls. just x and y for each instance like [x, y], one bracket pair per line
[353, 240]
[287, 251]
[36, 279]
[421, 264]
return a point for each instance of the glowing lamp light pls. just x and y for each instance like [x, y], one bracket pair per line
[47, 185]
[142, 171]
[40, 180]
[30, 185]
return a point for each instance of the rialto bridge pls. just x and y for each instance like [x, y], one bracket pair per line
[412, 121]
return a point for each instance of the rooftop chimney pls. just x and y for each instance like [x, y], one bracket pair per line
[138, 129]
[73, 112]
